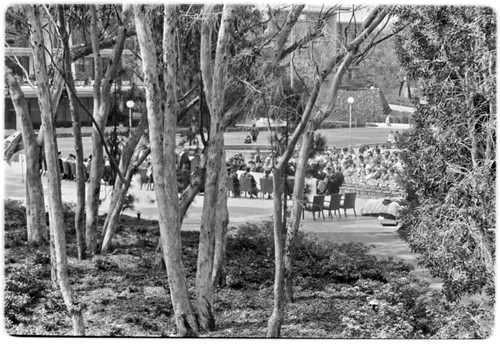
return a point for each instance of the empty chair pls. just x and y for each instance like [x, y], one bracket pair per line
[246, 186]
[334, 204]
[349, 202]
[317, 205]
[266, 186]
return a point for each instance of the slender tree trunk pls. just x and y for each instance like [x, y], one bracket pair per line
[120, 189]
[35, 204]
[101, 110]
[162, 138]
[77, 135]
[80, 178]
[221, 223]
[293, 229]
[214, 89]
[53, 179]
[276, 319]
[345, 60]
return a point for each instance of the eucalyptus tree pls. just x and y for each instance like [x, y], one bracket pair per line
[35, 204]
[162, 126]
[102, 103]
[351, 51]
[214, 79]
[56, 219]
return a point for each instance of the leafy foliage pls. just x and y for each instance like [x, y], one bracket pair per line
[334, 285]
[318, 260]
[406, 308]
[451, 51]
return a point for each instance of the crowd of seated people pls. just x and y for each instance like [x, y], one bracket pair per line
[330, 169]
[367, 165]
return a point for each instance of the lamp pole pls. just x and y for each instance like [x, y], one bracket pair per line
[350, 100]
[130, 105]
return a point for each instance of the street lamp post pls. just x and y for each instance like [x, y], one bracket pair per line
[130, 105]
[350, 100]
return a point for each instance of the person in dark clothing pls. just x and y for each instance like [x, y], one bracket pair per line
[184, 159]
[236, 182]
[335, 182]
[247, 174]
[254, 131]
[183, 178]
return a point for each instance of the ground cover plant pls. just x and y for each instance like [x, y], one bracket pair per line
[341, 290]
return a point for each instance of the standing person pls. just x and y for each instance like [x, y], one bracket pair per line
[149, 174]
[397, 138]
[236, 182]
[60, 160]
[254, 132]
[391, 138]
[388, 120]
[335, 181]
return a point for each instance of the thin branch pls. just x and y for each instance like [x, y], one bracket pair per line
[73, 91]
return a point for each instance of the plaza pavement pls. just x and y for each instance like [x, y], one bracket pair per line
[384, 241]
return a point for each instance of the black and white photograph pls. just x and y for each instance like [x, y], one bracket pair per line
[249, 170]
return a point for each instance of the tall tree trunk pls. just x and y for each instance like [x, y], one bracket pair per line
[35, 204]
[345, 59]
[77, 135]
[54, 183]
[214, 89]
[221, 223]
[276, 319]
[120, 189]
[162, 139]
[101, 110]
[293, 229]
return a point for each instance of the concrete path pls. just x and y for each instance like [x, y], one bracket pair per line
[360, 228]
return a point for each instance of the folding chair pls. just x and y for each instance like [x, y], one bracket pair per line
[349, 202]
[317, 205]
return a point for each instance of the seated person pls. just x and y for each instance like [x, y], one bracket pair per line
[247, 174]
[183, 178]
[248, 139]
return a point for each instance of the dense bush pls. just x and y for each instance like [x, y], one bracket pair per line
[451, 215]
[406, 308]
[23, 288]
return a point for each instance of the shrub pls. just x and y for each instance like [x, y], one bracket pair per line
[250, 248]
[344, 262]
[406, 308]
[23, 287]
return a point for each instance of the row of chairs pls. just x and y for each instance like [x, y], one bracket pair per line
[266, 186]
[372, 188]
[337, 202]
